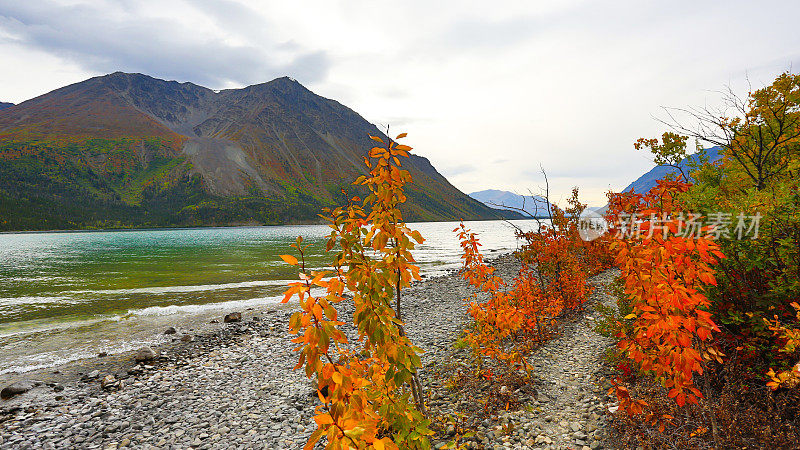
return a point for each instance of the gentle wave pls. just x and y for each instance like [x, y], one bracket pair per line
[149, 311]
[52, 359]
[34, 327]
[183, 289]
[37, 299]
[196, 309]
[4, 301]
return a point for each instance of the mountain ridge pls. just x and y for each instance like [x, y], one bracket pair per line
[648, 180]
[164, 153]
[533, 205]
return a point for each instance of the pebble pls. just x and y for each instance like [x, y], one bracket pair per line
[108, 382]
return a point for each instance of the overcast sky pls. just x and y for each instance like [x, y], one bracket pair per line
[489, 91]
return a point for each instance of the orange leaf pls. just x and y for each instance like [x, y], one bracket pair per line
[323, 419]
[289, 259]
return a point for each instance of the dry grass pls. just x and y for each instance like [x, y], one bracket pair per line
[745, 415]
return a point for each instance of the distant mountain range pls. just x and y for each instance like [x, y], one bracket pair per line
[647, 181]
[4, 105]
[535, 206]
[130, 150]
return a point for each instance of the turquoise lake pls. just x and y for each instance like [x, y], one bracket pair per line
[70, 295]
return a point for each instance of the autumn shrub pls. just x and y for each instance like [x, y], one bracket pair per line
[555, 264]
[369, 391]
[665, 273]
[497, 320]
[751, 203]
[757, 177]
[560, 258]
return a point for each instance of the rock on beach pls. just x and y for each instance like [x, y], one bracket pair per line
[145, 354]
[18, 388]
[233, 317]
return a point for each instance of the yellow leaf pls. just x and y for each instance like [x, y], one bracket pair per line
[630, 316]
[355, 433]
[377, 139]
[401, 135]
[289, 259]
[380, 241]
[378, 444]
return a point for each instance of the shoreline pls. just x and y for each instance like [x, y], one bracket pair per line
[114, 230]
[125, 332]
[194, 320]
[198, 332]
[243, 225]
[205, 330]
[115, 362]
[248, 364]
[237, 387]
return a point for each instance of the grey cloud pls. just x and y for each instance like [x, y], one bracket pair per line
[100, 41]
[234, 17]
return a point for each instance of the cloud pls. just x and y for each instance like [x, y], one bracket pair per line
[452, 171]
[195, 45]
[487, 91]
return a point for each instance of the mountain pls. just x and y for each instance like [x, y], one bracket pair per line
[4, 105]
[532, 205]
[648, 180]
[130, 150]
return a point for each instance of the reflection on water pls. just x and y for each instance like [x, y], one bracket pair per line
[70, 295]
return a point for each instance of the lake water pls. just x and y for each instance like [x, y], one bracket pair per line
[70, 295]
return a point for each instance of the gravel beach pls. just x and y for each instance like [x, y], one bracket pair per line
[234, 387]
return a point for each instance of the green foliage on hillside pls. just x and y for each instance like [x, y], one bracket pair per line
[75, 183]
[121, 183]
